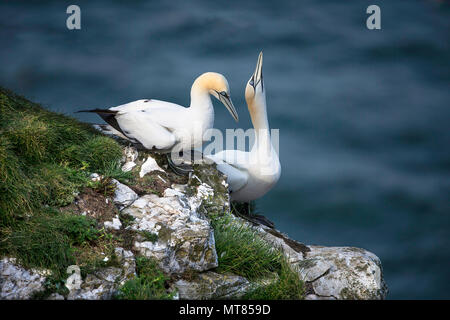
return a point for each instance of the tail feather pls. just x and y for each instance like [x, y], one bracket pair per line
[108, 116]
[102, 111]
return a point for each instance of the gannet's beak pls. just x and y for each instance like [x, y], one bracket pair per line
[257, 76]
[226, 100]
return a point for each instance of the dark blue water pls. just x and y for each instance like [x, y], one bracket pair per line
[363, 115]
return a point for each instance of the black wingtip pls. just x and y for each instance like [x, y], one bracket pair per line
[103, 111]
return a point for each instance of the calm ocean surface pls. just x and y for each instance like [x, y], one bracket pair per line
[363, 115]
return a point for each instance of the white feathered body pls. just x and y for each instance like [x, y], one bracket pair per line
[161, 125]
[250, 175]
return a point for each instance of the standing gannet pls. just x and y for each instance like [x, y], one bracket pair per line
[251, 175]
[161, 126]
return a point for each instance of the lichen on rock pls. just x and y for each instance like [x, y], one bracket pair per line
[185, 239]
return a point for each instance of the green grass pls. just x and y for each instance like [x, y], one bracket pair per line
[46, 157]
[150, 283]
[45, 160]
[242, 251]
[46, 240]
[149, 236]
[286, 286]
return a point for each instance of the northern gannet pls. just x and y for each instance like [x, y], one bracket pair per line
[161, 126]
[251, 175]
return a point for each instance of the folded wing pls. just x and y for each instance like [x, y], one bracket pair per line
[149, 122]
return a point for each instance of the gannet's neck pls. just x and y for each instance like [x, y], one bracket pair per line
[258, 114]
[201, 106]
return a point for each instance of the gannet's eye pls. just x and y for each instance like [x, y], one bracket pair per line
[223, 93]
[252, 82]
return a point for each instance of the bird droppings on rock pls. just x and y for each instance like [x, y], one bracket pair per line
[148, 166]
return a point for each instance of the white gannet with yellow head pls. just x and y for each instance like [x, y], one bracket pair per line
[251, 175]
[161, 126]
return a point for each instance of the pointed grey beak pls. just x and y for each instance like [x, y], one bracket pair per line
[226, 100]
[257, 75]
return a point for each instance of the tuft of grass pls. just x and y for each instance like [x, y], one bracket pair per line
[113, 170]
[97, 154]
[242, 251]
[46, 240]
[150, 283]
[126, 219]
[287, 286]
[149, 236]
[55, 185]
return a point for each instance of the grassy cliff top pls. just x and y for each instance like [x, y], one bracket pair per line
[45, 157]
[45, 160]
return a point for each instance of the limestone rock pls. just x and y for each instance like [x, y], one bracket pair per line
[104, 283]
[129, 157]
[55, 296]
[17, 282]
[185, 239]
[115, 224]
[344, 273]
[95, 177]
[332, 273]
[123, 195]
[211, 285]
[148, 166]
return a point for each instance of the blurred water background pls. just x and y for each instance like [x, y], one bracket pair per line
[363, 115]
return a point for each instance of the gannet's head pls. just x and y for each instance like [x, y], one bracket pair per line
[254, 91]
[217, 85]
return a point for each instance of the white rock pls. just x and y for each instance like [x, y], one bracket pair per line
[95, 177]
[185, 238]
[17, 282]
[211, 285]
[169, 192]
[105, 282]
[316, 297]
[123, 195]
[344, 273]
[128, 166]
[114, 224]
[333, 272]
[130, 155]
[148, 166]
[55, 296]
